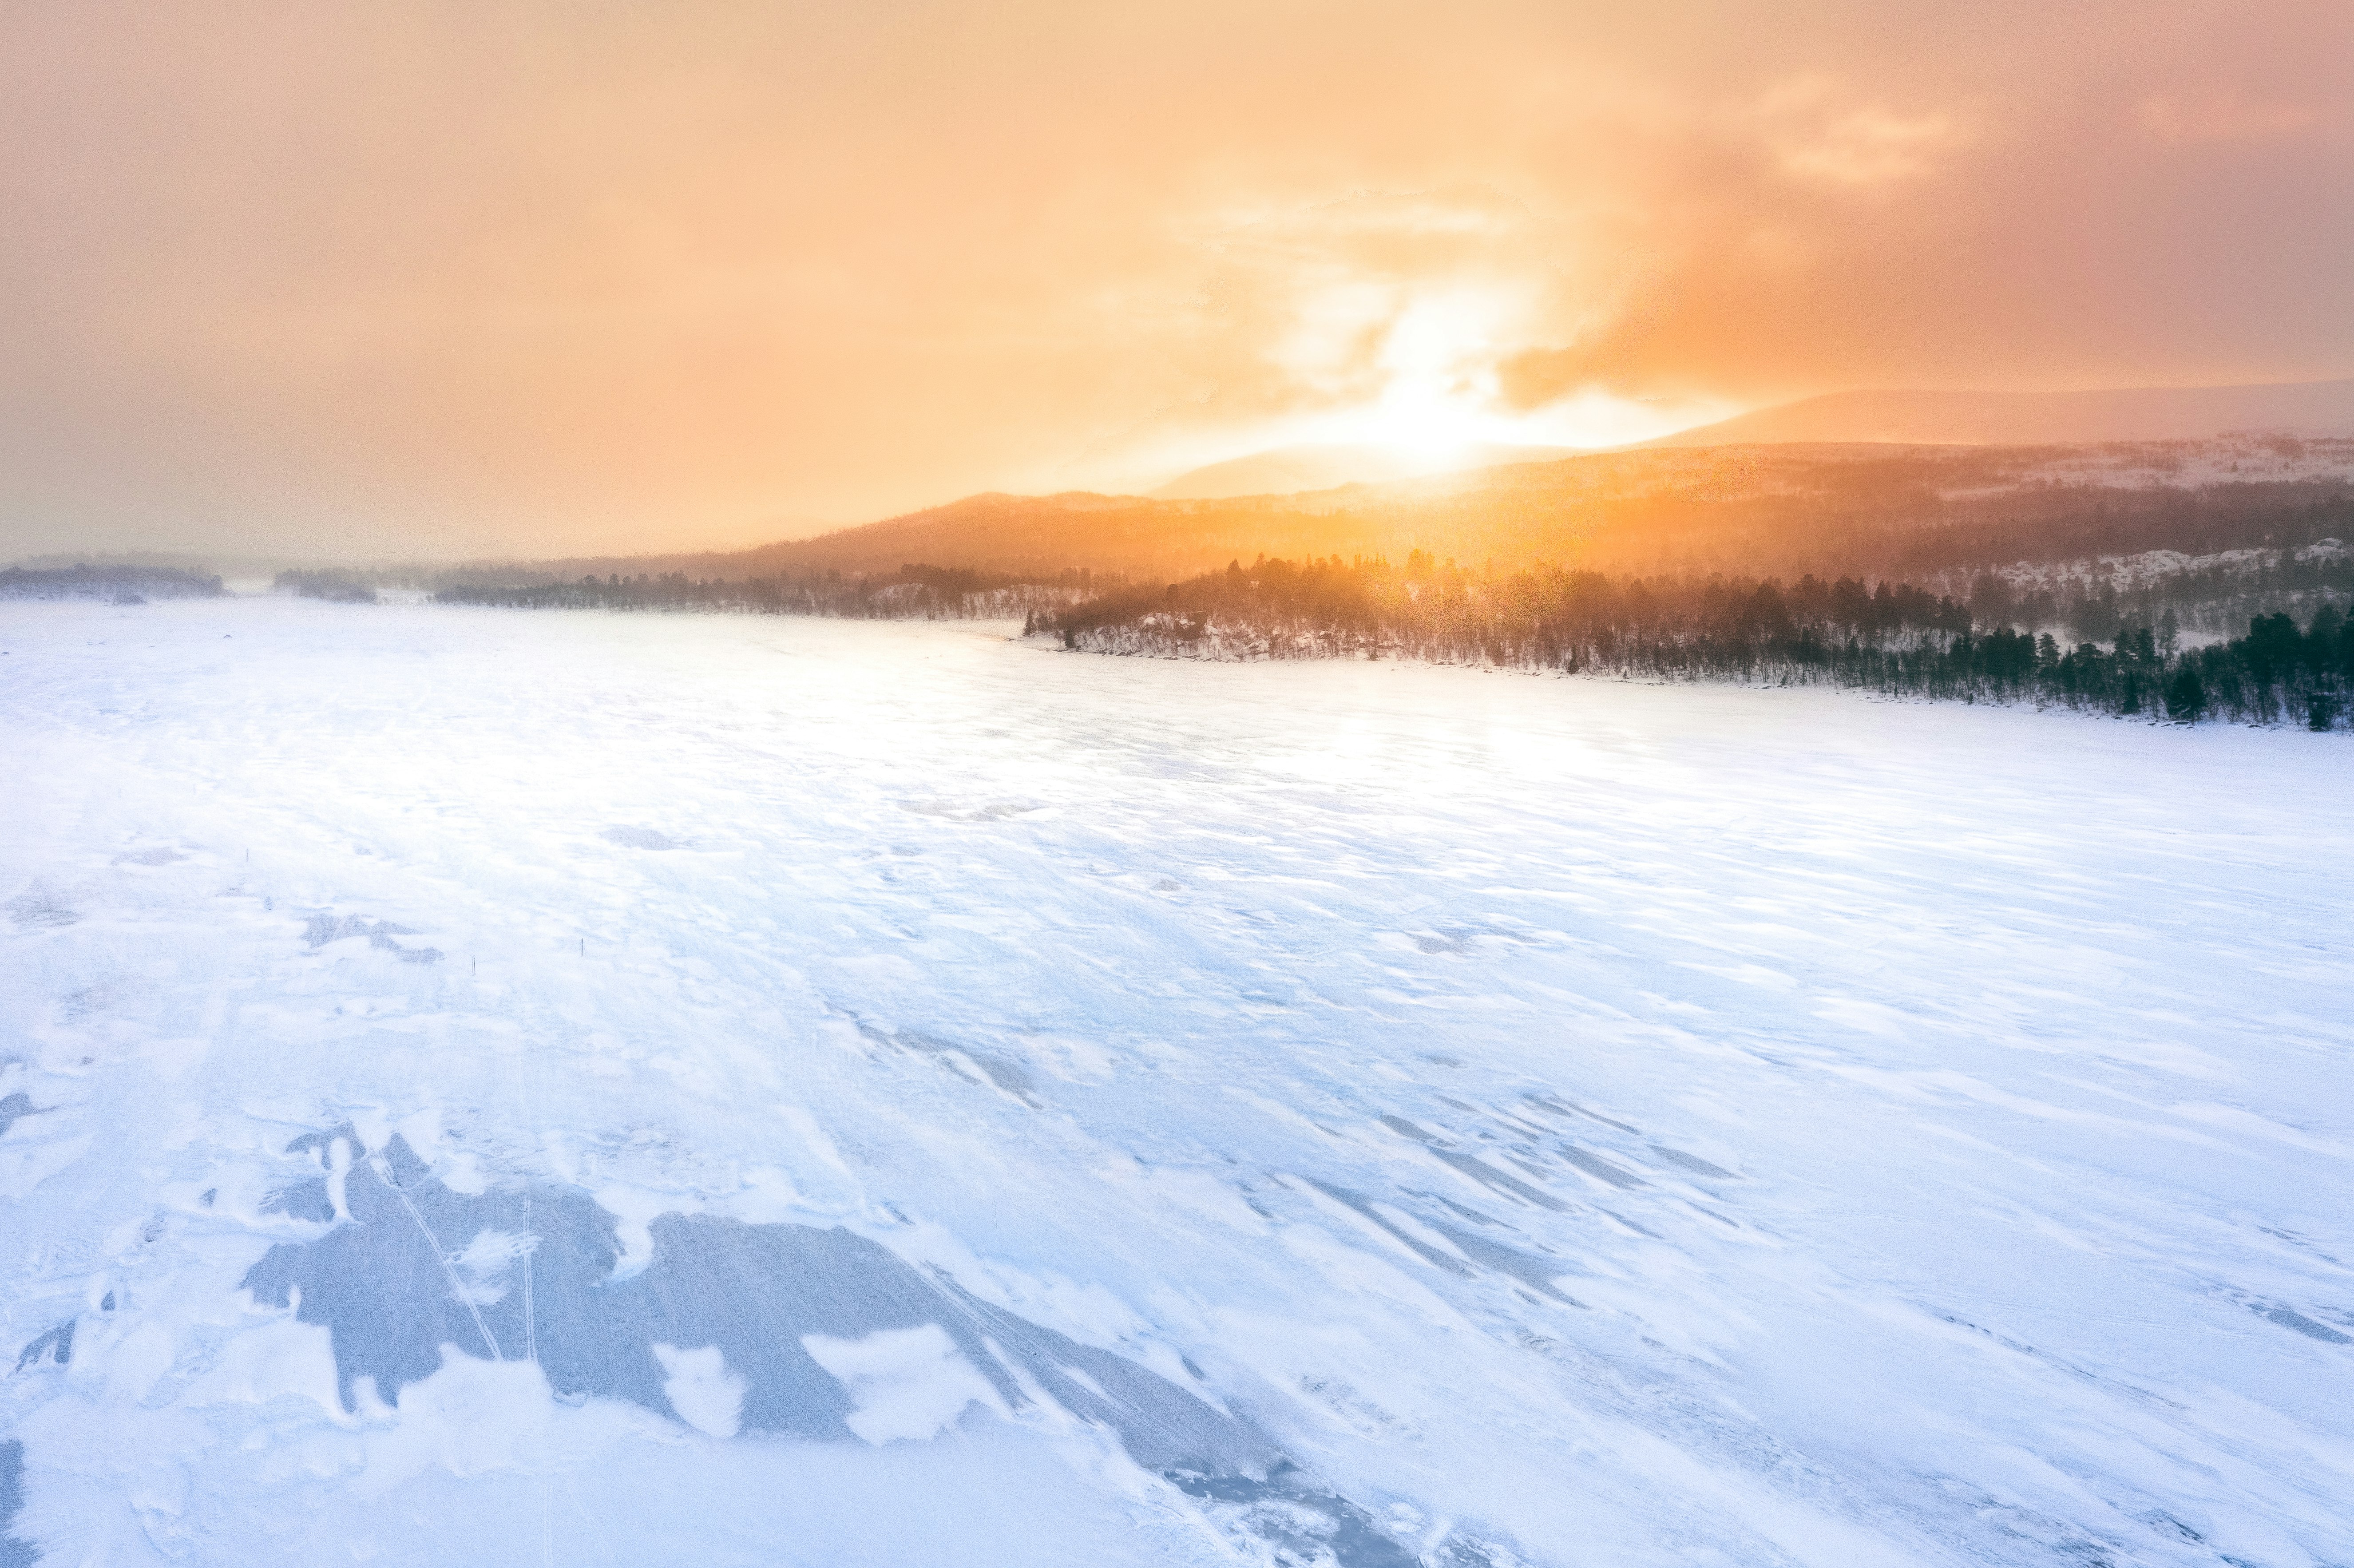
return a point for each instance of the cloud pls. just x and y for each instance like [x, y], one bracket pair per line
[1857, 146]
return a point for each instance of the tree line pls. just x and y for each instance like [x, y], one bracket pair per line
[917, 591]
[124, 584]
[1890, 637]
[2219, 594]
[335, 586]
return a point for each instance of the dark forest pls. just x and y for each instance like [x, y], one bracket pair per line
[1893, 638]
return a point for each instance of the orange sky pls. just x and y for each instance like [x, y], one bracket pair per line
[358, 279]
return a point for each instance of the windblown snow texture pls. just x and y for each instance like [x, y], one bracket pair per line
[491, 1086]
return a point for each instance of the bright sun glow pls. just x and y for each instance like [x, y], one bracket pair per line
[1414, 376]
[1440, 396]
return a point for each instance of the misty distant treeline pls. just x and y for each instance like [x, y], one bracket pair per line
[124, 583]
[1895, 638]
[915, 592]
[335, 586]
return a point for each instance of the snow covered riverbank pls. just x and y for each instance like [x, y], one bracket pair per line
[498, 1086]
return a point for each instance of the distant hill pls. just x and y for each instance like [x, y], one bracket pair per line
[1785, 508]
[1899, 417]
[2037, 419]
[1286, 471]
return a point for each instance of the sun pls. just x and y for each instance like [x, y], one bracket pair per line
[1412, 380]
[1438, 394]
[1441, 400]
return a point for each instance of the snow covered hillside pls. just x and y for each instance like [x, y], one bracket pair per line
[495, 1086]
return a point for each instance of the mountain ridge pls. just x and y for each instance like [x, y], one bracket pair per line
[1762, 506]
[1872, 415]
[1289, 471]
[1921, 415]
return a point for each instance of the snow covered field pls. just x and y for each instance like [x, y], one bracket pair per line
[491, 1086]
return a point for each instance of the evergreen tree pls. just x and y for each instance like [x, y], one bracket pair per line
[2186, 697]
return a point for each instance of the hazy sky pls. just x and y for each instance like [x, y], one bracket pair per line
[353, 280]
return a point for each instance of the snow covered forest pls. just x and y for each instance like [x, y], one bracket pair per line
[1892, 638]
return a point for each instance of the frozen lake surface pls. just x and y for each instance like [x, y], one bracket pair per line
[513, 1087]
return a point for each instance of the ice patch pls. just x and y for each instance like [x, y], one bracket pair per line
[15, 1106]
[1691, 1163]
[753, 1292]
[1601, 1169]
[14, 1552]
[55, 1348]
[1008, 1076]
[732, 1327]
[2290, 1318]
[323, 930]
